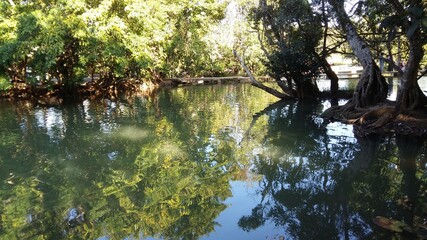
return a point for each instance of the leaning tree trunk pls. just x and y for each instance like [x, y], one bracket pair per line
[372, 86]
[409, 95]
[254, 82]
[330, 74]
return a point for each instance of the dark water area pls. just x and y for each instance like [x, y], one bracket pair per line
[202, 162]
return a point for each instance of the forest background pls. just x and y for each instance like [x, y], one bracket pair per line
[47, 43]
[54, 47]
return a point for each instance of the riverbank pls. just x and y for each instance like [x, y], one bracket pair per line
[57, 94]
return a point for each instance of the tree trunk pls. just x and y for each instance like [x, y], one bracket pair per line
[272, 91]
[409, 94]
[306, 88]
[322, 59]
[331, 75]
[372, 87]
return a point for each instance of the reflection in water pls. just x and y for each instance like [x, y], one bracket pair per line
[209, 162]
[312, 193]
[408, 150]
[52, 120]
[132, 133]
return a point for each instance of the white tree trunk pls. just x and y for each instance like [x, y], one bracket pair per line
[372, 87]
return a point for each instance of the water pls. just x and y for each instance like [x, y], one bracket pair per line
[202, 162]
[349, 84]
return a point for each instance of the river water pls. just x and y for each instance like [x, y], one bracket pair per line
[201, 162]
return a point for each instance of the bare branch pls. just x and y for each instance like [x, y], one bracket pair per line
[395, 67]
[274, 92]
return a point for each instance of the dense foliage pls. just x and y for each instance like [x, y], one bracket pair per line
[44, 42]
[69, 42]
[291, 32]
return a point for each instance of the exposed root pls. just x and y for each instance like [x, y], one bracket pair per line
[347, 113]
[376, 116]
[382, 119]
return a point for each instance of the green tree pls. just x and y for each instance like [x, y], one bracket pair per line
[40, 45]
[407, 17]
[293, 36]
[120, 40]
[411, 18]
[187, 53]
[291, 33]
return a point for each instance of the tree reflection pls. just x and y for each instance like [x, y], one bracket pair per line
[162, 166]
[168, 194]
[316, 186]
[409, 149]
[159, 167]
[299, 177]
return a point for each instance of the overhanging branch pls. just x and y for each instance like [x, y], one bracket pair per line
[257, 84]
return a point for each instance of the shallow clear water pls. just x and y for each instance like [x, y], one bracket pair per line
[201, 162]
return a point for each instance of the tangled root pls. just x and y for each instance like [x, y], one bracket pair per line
[380, 119]
[375, 117]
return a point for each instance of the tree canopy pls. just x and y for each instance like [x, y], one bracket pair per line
[45, 42]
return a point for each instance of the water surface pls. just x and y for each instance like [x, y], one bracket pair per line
[202, 162]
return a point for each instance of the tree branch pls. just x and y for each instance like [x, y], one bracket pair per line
[397, 6]
[272, 91]
[391, 62]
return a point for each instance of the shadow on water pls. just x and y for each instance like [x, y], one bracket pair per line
[320, 187]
